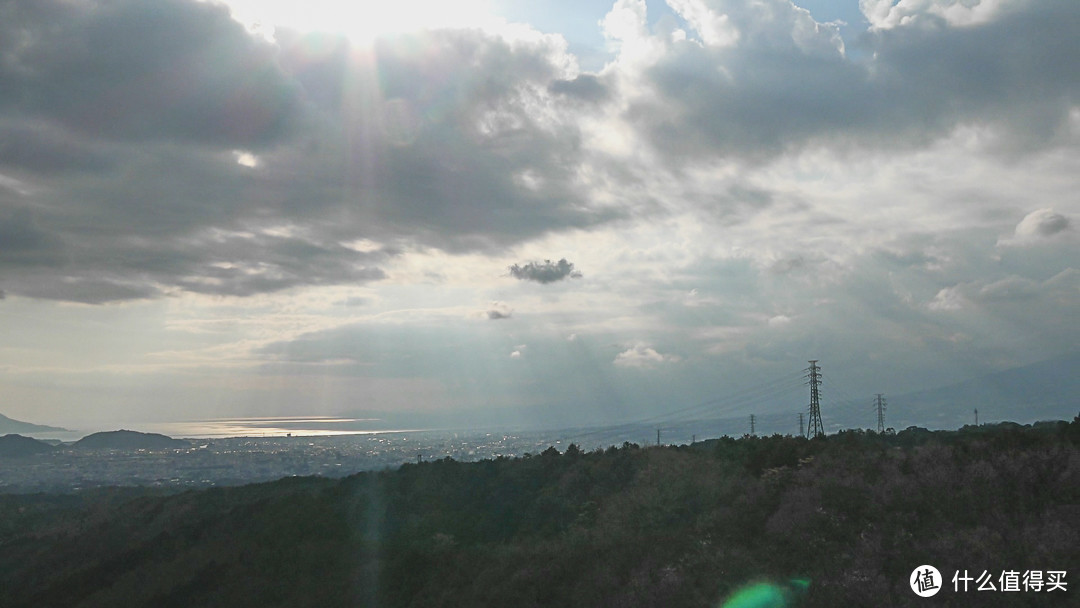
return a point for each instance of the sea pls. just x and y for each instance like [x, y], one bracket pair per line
[586, 437]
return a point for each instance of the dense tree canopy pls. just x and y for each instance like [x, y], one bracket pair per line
[841, 520]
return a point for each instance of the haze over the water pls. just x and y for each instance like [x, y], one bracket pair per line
[591, 212]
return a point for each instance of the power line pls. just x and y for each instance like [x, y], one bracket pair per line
[746, 397]
[708, 410]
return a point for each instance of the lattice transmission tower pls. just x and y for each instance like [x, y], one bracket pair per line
[879, 403]
[813, 378]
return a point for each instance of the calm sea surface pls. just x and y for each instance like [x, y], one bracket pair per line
[309, 426]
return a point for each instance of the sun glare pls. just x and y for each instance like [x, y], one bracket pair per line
[361, 20]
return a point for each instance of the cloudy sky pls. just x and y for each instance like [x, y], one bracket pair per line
[581, 212]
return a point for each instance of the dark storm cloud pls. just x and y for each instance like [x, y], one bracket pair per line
[44, 149]
[89, 291]
[276, 263]
[118, 119]
[785, 82]
[439, 144]
[544, 272]
[454, 174]
[759, 103]
[121, 124]
[143, 70]
[23, 242]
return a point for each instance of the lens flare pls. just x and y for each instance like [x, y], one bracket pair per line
[768, 595]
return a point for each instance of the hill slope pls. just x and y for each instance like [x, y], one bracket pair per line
[17, 445]
[129, 440]
[846, 518]
[9, 425]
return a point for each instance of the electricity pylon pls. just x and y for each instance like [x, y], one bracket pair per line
[813, 378]
[879, 402]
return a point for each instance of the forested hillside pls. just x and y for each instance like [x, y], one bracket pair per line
[839, 521]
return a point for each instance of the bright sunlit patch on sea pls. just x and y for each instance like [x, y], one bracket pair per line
[275, 426]
[360, 20]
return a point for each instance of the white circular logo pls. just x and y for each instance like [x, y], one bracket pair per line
[925, 581]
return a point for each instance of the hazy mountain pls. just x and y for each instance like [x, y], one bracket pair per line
[9, 425]
[1041, 391]
[129, 440]
[17, 445]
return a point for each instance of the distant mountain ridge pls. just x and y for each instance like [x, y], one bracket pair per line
[17, 445]
[129, 440]
[10, 425]
[1047, 390]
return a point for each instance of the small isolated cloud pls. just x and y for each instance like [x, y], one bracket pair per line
[518, 351]
[949, 298]
[246, 159]
[499, 310]
[1036, 226]
[545, 272]
[643, 356]
[779, 321]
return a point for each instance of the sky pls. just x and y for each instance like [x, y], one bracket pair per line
[553, 213]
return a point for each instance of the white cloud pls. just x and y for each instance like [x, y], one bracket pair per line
[887, 14]
[641, 355]
[1039, 226]
[779, 321]
[714, 28]
[948, 299]
[246, 159]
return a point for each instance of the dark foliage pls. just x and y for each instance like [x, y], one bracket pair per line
[14, 446]
[129, 440]
[853, 513]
